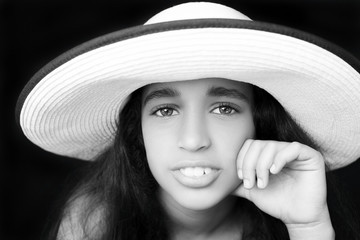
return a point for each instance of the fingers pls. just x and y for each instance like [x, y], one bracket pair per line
[289, 153]
[264, 164]
[249, 163]
[241, 157]
[258, 159]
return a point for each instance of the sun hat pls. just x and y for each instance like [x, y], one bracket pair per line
[70, 107]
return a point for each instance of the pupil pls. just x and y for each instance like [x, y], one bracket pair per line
[225, 110]
[166, 112]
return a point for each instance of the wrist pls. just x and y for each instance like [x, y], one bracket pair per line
[312, 231]
[317, 230]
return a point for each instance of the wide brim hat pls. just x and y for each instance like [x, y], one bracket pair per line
[71, 106]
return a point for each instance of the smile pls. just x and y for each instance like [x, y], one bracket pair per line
[196, 176]
[195, 171]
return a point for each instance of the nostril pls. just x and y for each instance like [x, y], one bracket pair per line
[194, 141]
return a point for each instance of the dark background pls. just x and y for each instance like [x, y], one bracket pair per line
[34, 32]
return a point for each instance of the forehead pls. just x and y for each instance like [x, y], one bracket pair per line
[202, 85]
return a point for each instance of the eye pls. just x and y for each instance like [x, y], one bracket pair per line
[165, 112]
[226, 109]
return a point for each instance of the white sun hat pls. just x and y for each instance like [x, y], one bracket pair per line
[70, 107]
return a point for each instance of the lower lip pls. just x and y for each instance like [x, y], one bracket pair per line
[196, 182]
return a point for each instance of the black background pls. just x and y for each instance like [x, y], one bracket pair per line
[34, 32]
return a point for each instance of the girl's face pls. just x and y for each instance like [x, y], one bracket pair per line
[193, 132]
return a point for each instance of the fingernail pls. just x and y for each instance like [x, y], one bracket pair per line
[273, 168]
[260, 183]
[240, 173]
[246, 183]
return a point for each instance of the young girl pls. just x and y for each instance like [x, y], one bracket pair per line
[201, 124]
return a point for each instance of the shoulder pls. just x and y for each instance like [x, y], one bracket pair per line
[81, 220]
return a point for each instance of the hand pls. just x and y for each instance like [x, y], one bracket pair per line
[285, 180]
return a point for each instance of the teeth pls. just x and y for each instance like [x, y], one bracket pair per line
[198, 172]
[207, 170]
[195, 172]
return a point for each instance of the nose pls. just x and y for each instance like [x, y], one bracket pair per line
[194, 134]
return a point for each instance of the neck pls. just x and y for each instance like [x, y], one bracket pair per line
[217, 221]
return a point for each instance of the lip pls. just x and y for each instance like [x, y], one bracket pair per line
[196, 182]
[192, 163]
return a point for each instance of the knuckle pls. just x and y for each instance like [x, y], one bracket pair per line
[258, 142]
[296, 145]
[271, 145]
[248, 141]
[257, 145]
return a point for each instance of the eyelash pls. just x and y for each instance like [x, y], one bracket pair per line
[233, 107]
[157, 109]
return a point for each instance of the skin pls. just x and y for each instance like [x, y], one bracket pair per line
[292, 186]
[185, 125]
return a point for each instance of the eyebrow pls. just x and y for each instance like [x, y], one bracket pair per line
[161, 93]
[168, 92]
[225, 92]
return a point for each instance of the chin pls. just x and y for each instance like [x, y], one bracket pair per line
[200, 200]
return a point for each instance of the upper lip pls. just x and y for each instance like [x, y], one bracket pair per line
[194, 163]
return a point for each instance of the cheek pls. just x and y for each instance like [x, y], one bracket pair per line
[229, 142]
[159, 154]
[157, 147]
[157, 139]
[231, 137]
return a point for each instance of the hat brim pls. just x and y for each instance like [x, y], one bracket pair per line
[70, 107]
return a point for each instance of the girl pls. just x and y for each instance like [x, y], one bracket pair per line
[201, 124]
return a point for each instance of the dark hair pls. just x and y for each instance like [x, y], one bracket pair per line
[125, 190]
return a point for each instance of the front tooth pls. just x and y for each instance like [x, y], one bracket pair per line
[189, 172]
[195, 172]
[198, 172]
